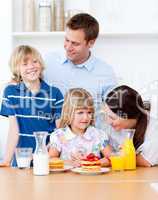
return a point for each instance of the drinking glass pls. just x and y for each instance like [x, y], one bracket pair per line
[23, 157]
[117, 161]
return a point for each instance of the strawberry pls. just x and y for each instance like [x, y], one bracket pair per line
[90, 156]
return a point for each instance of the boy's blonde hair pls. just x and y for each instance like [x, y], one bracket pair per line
[76, 98]
[19, 54]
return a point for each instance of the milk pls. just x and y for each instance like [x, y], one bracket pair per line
[40, 164]
[23, 162]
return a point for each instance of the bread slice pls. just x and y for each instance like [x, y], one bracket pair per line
[56, 164]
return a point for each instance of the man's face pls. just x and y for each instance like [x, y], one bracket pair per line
[77, 48]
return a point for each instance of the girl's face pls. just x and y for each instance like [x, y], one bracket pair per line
[118, 123]
[81, 120]
[30, 69]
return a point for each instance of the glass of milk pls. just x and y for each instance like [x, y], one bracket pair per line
[23, 157]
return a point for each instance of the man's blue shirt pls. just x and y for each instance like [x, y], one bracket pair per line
[93, 75]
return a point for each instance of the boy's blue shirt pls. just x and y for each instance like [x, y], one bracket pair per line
[34, 112]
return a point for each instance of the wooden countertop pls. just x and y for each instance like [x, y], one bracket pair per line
[23, 185]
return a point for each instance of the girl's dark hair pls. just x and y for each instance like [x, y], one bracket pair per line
[125, 101]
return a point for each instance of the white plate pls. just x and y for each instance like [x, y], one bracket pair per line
[66, 168]
[79, 170]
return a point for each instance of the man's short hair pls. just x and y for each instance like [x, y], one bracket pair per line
[87, 23]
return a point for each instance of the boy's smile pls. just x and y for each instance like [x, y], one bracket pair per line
[30, 69]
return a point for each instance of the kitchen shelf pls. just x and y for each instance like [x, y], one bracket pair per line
[62, 33]
[37, 34]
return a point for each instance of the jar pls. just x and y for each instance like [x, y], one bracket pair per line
[128, 150]
[59, 15]
[29, 15]
[52, 16]
[40, 156]
[44, 15]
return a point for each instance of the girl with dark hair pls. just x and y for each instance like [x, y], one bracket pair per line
[125, 110]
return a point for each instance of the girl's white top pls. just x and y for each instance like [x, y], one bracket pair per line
[68, 143]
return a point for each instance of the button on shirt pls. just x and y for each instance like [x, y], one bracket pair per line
[93, 75]
[34, 112]
[68, 143]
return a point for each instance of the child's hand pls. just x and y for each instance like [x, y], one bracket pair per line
[53, 152]
[4, 164]
[105, 162]
[76, 158]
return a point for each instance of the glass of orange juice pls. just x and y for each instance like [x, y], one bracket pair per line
[117, 161]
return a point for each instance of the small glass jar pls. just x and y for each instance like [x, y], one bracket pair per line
[44, 15]
[59, 15]
[29, 15]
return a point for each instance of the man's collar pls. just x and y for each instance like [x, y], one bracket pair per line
[88, 64]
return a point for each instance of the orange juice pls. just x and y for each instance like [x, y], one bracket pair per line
[117, 162]
[128, 151]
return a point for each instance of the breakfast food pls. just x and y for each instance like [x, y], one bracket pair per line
[56, 163]
[91, 163]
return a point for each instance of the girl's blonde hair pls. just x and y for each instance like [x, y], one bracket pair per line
[19, 54]
[76, 98]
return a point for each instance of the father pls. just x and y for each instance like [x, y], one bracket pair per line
[78, 67]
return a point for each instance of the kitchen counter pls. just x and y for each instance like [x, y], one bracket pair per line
[21, 184]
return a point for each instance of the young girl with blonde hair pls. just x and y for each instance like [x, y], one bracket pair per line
[77, 137]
